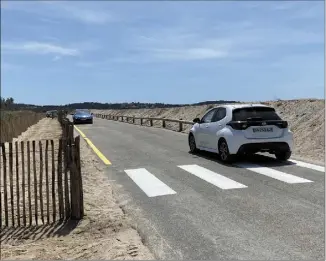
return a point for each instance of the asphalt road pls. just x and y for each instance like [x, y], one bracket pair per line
[193, 207]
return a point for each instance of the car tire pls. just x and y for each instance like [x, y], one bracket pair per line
[91, 121]
[192, 144]
[224, 153]
[283, 155]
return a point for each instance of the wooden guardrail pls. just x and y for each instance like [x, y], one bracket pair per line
[132, 119]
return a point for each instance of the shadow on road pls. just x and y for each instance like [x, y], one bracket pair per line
[260, 159]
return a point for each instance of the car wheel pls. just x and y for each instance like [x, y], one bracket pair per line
[192, 144]
[223, 151]
[283, 155]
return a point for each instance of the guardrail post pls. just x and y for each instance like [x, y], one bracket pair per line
[180, 126]
[151, 122]
[163, 123]
[133, 119]
[141, 121]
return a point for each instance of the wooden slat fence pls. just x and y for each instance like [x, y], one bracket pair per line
[40, 182]
[145, 120]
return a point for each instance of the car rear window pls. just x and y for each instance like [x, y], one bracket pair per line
[266, 113]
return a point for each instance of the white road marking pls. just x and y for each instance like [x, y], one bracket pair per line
[151, 185]
[212, 177]
[288, 178]
[308, 165]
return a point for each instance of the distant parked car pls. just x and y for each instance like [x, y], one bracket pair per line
[82, 116]
[48, 114]
[231, 130]
[52, 114]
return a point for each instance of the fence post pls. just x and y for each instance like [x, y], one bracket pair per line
[163, 123]
[77, 209]
[141, 121]
[151, 122]
[180, 126]
[5, 195]
[17, 183]
[133, 119]
[11, 185]
[70, 134]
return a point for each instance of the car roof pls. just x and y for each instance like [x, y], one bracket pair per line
[82, 111]
[243, 105]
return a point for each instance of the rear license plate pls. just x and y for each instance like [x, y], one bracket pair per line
[263, 129]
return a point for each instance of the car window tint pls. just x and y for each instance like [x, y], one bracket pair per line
[220, 114]
[209, 116]
[242, 114]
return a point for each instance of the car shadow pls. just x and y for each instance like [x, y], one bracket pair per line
[259, 159]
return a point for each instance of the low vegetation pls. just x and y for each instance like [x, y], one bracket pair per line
[13, 123]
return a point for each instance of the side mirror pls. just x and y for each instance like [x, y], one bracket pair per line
[196, 120]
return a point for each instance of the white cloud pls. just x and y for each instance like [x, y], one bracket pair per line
[88, 16]
[315, 10]
[283, 5]
[9, 67]
[56, 58]
[85, 64]
[39, 48]
[54, 11]
[187, 54]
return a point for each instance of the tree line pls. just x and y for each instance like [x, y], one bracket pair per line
[9, 104]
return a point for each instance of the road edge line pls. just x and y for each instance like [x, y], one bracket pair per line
[96, 150]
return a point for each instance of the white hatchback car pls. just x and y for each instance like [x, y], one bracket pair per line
[231, 130]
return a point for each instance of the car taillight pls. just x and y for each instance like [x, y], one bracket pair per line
[238, 125]
[284, 124]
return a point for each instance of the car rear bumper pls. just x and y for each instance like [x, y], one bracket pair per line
[77, 121]
[240, 144]
[270, 147]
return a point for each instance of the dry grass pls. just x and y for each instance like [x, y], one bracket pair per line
[305, 117]
[13, 123]
[104, 233]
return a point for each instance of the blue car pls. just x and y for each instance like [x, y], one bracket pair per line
[82, 116]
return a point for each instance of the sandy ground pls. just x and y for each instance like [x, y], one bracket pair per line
[104, 233]
[306, 118]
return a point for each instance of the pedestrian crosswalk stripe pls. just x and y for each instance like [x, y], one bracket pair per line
[212, 177]
[308, 165]
[272, 173]
[151, 185]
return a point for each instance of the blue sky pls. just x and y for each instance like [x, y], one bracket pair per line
[174, 52]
